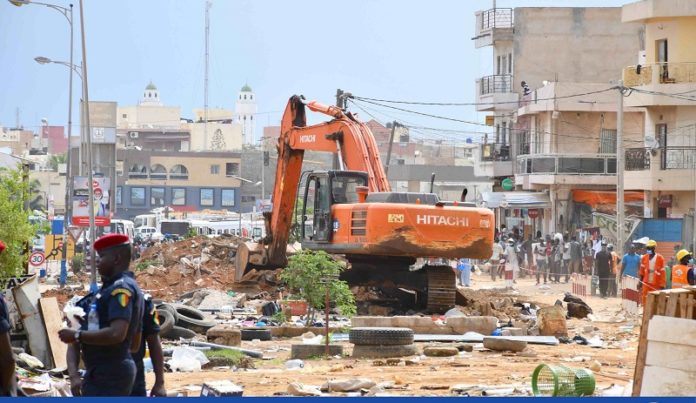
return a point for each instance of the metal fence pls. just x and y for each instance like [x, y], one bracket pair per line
[499, 83]
[554, 164]
[637, 159]
[496, 18]
[659, 73]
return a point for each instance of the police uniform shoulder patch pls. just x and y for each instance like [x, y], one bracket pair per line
[122, 296]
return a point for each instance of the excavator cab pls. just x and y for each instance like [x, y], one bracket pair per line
[324, 189]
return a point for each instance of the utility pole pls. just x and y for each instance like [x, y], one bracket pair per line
[208, 4]
[90, 177]
[620, 172]
[389, 148]
[67, 214]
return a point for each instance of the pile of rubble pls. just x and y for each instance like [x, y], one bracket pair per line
[494, 302]
[168, 270]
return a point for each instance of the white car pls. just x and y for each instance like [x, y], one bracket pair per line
[149, 234]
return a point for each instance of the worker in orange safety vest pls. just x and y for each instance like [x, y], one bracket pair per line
[680, 271]
[652, 271]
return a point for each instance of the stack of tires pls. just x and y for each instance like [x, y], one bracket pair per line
[382, 342]
[182, 321]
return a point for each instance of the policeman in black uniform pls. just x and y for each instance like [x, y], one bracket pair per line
[151, 329]
[8, 384]
[107, 340]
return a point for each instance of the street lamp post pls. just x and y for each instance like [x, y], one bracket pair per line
[68, 14]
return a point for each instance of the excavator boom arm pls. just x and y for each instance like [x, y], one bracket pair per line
[344, 135]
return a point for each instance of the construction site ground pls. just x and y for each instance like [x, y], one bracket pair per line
[434, 376]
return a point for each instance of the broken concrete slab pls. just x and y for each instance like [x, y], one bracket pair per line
[305, 351]
[552, 321]
[225, 335]
[478, 324]
[514, 331]
[347, 385]
[440, 351]
[425, 325]
[478, 338]
[298, 389]
[503, 344]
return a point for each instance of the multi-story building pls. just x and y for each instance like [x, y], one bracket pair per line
[185, 181]
[570, 151]
[664, 83]
[539, 46]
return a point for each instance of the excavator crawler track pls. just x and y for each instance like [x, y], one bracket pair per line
[442, 288]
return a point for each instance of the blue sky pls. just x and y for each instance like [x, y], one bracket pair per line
[392, 49]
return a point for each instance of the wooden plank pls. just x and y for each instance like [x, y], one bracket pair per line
[668, 355]
[661, 303]
[661, 381]
[53, 321]
[690, 306]
[671, 309]
[648, 311]
[682, 305]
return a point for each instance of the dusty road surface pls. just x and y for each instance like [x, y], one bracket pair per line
[434, 376]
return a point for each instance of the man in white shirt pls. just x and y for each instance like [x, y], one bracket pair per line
[495, 258]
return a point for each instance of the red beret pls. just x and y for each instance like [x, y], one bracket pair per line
[110, 240]
[2, 246]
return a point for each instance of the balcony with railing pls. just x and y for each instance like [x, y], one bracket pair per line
[597, 169]
[673, 78]
[666, 168]
[493, 25]
[495, 92]
[495, 159]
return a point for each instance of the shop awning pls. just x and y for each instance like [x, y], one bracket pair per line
[514, 200]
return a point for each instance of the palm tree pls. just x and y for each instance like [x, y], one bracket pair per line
[36, 198]
[55, 160]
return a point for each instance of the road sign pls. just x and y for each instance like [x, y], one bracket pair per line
[75, 232]
[36, 259]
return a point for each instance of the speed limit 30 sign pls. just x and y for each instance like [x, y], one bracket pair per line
[36, 259]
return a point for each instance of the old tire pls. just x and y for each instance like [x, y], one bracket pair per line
[367, 351]
[177, 332]
[381, 336]
[256, 334]
[169, 308]
[166, 320]
[193, 319]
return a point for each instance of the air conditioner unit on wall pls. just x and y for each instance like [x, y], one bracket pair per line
[133, 135]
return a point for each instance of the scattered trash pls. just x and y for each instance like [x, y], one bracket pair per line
[294, 364]
[347, 385]
[596, 366]
[186, 359]
[31, 361]
[595, 342]
[221, 389]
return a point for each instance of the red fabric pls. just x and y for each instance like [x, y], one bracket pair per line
[110, 240]
[2, 246]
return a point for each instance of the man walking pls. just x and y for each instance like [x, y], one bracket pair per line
[652, 270]
[540, 255]
[603, 269]
[575, 256]
[151, 329]
[112, 327]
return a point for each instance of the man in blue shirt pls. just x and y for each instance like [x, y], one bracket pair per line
[630, 263]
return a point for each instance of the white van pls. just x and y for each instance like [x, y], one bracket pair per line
[149, 234]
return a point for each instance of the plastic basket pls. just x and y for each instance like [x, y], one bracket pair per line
[558, 380]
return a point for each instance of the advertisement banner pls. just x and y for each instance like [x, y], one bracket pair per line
[81, 203]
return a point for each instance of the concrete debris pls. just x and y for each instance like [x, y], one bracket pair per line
[298, 389]
[503, 344]
[348, 385]
[552, 322]
[440, 351]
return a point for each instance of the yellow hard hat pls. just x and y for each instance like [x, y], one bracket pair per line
[681, 254]
[651, 244]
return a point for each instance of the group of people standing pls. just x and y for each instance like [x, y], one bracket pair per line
[110, 339]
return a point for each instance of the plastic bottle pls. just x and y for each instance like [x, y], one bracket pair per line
[292, 364]
[93, 318]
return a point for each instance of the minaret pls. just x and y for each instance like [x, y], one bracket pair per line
[151, 96]
[245, 109]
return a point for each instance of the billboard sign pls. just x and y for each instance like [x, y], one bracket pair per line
[81, 203]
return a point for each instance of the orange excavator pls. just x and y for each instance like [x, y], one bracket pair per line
[352, 211]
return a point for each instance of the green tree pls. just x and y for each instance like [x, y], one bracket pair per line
[305, 273]
[36, 198]
[55, 160]
[15, 229]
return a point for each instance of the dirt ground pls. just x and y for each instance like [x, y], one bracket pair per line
[432, 376]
